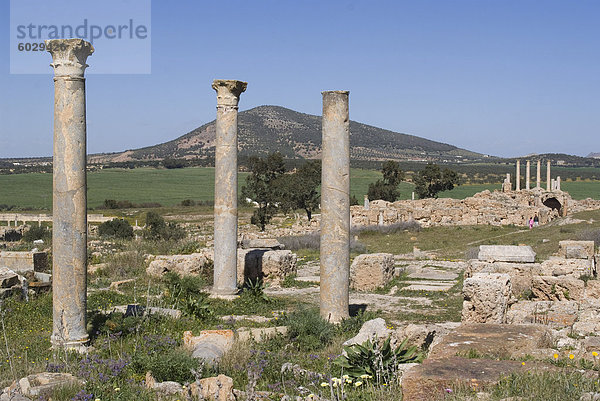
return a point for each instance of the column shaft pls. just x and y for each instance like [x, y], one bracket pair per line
[527, 175]
[518, 176]
[538, 177]
[548, 175]
[69, 224]
[335, 207]
[226, 183]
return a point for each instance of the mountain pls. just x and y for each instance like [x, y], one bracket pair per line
[594, 155]
[266, 129]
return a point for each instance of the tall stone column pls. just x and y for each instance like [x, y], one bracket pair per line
[518, 176]
[226, 182]
[69, 212]
[527, 175]
[548, 175]
[335, 207]
[538, 177]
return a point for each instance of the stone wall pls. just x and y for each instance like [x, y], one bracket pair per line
[486, 208]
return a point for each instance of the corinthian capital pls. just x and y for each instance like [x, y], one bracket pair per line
[69, 56]
[228, 91]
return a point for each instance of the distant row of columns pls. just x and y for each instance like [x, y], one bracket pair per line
[549, 185]
[69, 242]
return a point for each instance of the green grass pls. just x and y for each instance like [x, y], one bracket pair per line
[451, 242]
[170, 187]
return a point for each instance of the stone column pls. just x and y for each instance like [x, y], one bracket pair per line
[518, 176]
[69, 213]
[558, 183]
[366, 205]
[527, 175]
[552, 184]
[226, 183]
[335, 207]
[548, 175]
[538, 177]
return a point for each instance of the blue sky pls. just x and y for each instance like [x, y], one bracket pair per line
[505, 78]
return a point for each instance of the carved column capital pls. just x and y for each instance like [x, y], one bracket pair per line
[228, 91]
[69, 56]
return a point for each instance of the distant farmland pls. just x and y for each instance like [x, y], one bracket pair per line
[170, 187]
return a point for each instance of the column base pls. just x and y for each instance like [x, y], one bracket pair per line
[81, 346]
[224, 293]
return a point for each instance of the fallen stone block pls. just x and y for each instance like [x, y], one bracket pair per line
[555, 266]
[270, 243]
[554, 314]
[576, 249]
[371, 271]
[23, 262]
[219, 388]
[521, 274]
[550, 288]
[374, 330]
[183, 265]
[487, 297]
[42, 384]
[210, 345]
[270, 266]
[8, 278]
[506, 253]
[495, 341]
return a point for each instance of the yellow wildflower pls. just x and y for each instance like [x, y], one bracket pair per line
[571, 356]
[555, 356]
[595, 353]
[358, 384]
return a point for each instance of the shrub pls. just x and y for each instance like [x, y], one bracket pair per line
[158, 229]
[308, 330]
[116, 228]
[379, 362]
[188, 202]
[36, 233]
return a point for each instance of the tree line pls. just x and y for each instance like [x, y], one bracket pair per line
[272, 188]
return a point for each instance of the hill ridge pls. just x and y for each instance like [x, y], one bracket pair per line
[268, 128]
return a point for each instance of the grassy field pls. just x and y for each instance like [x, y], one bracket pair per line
[170, 187]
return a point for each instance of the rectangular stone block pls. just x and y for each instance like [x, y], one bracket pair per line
[370, 271]
[576, 249]
[563, 288]
[271, 266]
[486, 298]
[23, 262]
[506, 253]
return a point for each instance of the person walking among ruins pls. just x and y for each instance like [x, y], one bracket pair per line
[530, 223]
[536, 221]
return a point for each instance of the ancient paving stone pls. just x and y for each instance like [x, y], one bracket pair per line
[504, 341]
[428, 286]
[8, 278]
[69, 202]
[428, 381]
[487, 297]
[42, 384]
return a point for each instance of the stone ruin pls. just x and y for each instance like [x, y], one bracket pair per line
[484, 208]
[506, 285]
